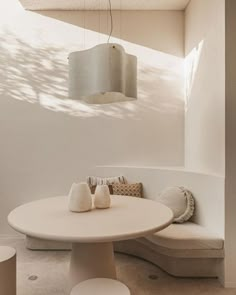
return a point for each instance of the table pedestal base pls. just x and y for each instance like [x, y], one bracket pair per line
[91, 260]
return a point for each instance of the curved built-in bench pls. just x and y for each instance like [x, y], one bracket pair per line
[187, 250]
[192, 249]
[186, 236]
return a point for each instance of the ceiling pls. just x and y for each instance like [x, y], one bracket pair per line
[103, 4]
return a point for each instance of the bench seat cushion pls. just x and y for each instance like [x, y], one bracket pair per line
[186, 236]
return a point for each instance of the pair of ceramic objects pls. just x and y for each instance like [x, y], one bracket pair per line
[80, 198]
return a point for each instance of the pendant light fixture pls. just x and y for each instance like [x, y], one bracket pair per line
[103, 74]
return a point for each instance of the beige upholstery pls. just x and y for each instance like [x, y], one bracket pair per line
[182, 253]
[186, 236]
[185, 250]
[180, 263]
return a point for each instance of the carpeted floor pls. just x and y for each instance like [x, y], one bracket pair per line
[45, 273]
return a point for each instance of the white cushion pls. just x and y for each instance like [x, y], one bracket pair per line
[186, 236]
[180, 201]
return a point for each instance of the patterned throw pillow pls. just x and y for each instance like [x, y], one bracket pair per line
[94, 180]
[132, 189]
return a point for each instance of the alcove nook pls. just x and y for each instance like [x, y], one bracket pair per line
[180, 128]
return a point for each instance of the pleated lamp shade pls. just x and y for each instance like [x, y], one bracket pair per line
[103, 74]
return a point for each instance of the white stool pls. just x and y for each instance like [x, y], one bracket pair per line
[100, 286]
[7, 270]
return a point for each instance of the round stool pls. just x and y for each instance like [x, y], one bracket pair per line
[7, 270]
[100, 286]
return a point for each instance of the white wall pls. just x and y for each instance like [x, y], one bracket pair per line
[205, 87]
[205, 97]
[230, 180]
[48, 141]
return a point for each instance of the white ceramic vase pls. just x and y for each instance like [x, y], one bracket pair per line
[80, 199]
[102, 199]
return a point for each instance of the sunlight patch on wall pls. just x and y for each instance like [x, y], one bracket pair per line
[191, 67]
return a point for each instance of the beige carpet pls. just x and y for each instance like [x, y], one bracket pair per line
[45, 273]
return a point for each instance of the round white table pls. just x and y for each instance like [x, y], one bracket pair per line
[93, 232]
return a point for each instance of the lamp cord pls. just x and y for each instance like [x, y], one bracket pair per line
[111, 18]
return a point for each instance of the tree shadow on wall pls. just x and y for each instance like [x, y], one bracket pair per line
[39, 74]
[28, 72]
